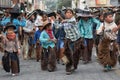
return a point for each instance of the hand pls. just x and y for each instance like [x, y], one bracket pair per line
[103, 28]
[115, 29]
[63, 21]
[19, 51]
[38, 42]
[54, 40]
[1, 36]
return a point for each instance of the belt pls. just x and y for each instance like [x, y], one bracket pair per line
[9, 52]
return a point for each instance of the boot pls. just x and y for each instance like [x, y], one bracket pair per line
[65, 60]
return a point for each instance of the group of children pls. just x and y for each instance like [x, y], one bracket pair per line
[56, 38]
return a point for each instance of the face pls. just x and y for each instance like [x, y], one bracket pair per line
[53, 18]
[44, 17]
[6, 14]
[40, 27]
[101, 18]
[68, 14]
[109, 18]
[85, 18]
[49, 27]
[32, 17]
[10, 31]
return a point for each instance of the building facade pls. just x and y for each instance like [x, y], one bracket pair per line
[94, 3]
[5, 3]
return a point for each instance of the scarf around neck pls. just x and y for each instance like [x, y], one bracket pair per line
[49, 32]
[11, 36]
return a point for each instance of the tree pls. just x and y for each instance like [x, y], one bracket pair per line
[51, 4]
[65, 3]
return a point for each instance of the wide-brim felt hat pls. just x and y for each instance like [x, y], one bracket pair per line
[8, 26]
[46, 22]
[40, 24]
[83, 13]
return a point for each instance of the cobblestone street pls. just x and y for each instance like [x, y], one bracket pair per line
[30, 70]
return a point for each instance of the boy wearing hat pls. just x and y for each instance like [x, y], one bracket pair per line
[48, 56]
[86, 24]
[37, 42]
[28, 45]
[71, 33]
[11, 50]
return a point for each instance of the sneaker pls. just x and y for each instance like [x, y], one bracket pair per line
[68, 73]
[105, 70]
[85, 62]
[15, 74]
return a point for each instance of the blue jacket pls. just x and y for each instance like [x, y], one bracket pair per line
[37, 36]
[44, 39]
[59, 32]
[18, 23]
[5, 20]
[86, 27]
[118, 37]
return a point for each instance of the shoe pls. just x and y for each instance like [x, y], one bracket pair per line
[37, 60]
[85, 62]
[68, 73]
[65, 60]
[15, 74]
[62, 62]
[58, 61]
[105, 70]
[109, 68]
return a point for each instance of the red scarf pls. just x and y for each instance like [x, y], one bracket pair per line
[11, 36]
[49, 32]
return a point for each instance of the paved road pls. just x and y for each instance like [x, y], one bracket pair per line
[30, 70]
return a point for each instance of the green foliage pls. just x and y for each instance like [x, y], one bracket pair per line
[65, 3]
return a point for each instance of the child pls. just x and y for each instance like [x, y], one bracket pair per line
[48, 56]
[11, 49]
[37, 42]
[118, 36]
[71, 33]
[107, 48]
[28, 46]
[87, 29]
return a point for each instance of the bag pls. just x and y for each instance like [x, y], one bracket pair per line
[6, 62]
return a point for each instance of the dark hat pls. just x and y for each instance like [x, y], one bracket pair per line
[107, 13]
[38, 11]
[52, 14]
[61, 13]
[15, 11]
[8, 26]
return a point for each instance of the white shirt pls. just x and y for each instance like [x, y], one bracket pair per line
[38, 20]
[29, 26]
[108, 27]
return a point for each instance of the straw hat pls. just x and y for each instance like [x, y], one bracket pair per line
[45, 23]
